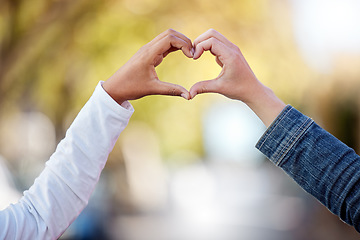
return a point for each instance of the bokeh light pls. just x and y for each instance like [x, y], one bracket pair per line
[181, 169]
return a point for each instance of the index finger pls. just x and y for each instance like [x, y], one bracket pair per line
[171, 32]
[213, 45]
[211, 33]
[171, 43]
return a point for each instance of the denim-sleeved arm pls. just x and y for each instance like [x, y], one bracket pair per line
[320, 163]
[64, 187]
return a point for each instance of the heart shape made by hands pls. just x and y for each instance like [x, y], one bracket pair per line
[138, 77]
[176, 69]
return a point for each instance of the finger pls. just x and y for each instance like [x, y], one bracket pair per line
[170, 89]
[215, 34]
[209, 86]
[172, 43]
[213, 45]
[172, 49]
[218, 61]
[183, 37]
[170, 33]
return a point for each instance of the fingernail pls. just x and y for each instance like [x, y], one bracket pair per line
[192, 52]
[184, 96]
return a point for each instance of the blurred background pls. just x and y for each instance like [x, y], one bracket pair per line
[180, 170]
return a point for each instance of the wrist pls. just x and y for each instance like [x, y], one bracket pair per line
[255, 93]
[265, 104]
[107, 86]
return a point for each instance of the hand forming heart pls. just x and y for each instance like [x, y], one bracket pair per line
[138, 78]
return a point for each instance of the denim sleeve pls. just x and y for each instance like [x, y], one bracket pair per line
[320, 163]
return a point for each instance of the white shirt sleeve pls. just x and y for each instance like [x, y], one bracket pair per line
[64, 187]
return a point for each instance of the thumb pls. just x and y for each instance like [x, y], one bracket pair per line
[203, 87]
[165, 88]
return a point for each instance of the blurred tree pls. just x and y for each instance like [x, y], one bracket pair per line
[52, 53]
[35, 34]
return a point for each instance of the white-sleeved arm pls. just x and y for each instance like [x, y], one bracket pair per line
[63, 188]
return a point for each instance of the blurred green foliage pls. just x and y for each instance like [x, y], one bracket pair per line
[53, 53]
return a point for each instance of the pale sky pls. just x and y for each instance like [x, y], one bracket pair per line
[325, 28]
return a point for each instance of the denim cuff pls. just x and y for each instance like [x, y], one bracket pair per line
[283, 134]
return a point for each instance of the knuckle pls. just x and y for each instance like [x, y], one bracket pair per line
[212, 40]
[212, 31]
[171, 37]
[170, 31]
[203, 89]
[172, 91]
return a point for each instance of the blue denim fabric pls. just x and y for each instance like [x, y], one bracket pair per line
[320, 163]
